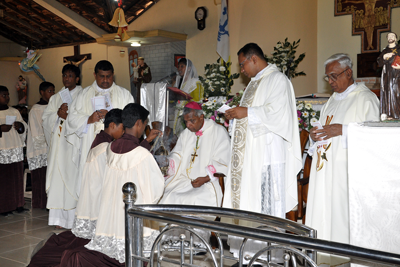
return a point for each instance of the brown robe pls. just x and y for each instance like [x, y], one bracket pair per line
[390, 82]
[67, 250]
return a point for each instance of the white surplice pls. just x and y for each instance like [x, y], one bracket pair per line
[61, 172]
[79, 133]
[328, 202]
[11, 142]
[139, 167]
[36, 145]
[87, 210]
[266, 153]
[213, 149]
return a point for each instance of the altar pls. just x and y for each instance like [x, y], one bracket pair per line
[374, 187]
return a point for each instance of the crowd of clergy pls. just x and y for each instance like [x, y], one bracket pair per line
[81, 153]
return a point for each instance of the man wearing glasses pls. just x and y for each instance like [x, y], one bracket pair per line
[265, 143]
[328, 204]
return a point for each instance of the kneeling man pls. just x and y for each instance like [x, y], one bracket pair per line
[203, 148]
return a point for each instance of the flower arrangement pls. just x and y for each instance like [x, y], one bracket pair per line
[218, 79]
[306, 115]
[283, 57]
[210, 110]
[235, 100]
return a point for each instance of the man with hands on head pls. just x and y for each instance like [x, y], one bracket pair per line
[328, 203]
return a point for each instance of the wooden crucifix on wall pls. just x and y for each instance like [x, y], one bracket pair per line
[77, 58]
[370, 18]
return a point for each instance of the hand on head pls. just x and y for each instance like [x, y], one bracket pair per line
[153, 135]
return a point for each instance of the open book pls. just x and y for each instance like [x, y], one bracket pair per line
[315, 95]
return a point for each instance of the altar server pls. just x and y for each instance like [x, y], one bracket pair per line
[12, 140]
[37, 147]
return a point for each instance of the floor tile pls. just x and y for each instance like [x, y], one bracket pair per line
[9, 263]
[25, 225]
[21, 255]
[12, 242]
[5, 233]
[42, 233]
[9, 219]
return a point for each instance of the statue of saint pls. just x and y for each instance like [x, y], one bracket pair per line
[390, 80]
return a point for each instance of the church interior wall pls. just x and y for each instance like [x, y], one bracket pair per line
[335, 36]
[51, 64]
[263, 22]
[160, 57]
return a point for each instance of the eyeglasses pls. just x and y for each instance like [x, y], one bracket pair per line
[241, 65]
[334, 76]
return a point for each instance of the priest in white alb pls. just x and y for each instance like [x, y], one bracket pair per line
[61, 172]
[88, 111]
[328, 200]
[266, 154]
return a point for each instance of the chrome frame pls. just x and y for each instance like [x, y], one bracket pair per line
[172, 214]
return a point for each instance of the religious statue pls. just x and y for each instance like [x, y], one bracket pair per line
[389, 59]
[22, 89]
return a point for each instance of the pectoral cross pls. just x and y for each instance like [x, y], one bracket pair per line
[194, 156]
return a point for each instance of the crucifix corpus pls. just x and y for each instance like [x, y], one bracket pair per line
[370, 18]
[77, 58]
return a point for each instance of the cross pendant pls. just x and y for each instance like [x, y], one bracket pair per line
[194, 156]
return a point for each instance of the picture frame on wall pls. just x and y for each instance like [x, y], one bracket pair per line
[177, 57]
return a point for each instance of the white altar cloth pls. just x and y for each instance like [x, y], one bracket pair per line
[374, 187]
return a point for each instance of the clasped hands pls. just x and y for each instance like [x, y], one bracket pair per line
[6, 128]
[200, 181]
[326, 133]
[63, 111]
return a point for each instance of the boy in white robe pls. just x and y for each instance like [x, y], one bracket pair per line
[12, 137]
[37, 147]
[60, 169]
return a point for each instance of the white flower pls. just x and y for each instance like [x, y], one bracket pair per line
[221, 120]
[313, 120]
[216, 82]
[233, 106]
[180, 113]
[207, 81]
[217, 117]
[298, 118]
[308, 106]
[241, 92]
[313, 113]
[305, 114]
[214, 101]
[222, 89]
[284, 68]
[203, 104]
[283, 62]
[212, 90]
[222, 81]
[222, 68]
[300, 106]
[212, 75]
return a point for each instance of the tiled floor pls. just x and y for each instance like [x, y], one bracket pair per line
[20, 233]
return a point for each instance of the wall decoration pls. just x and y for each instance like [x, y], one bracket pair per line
[370, 18]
